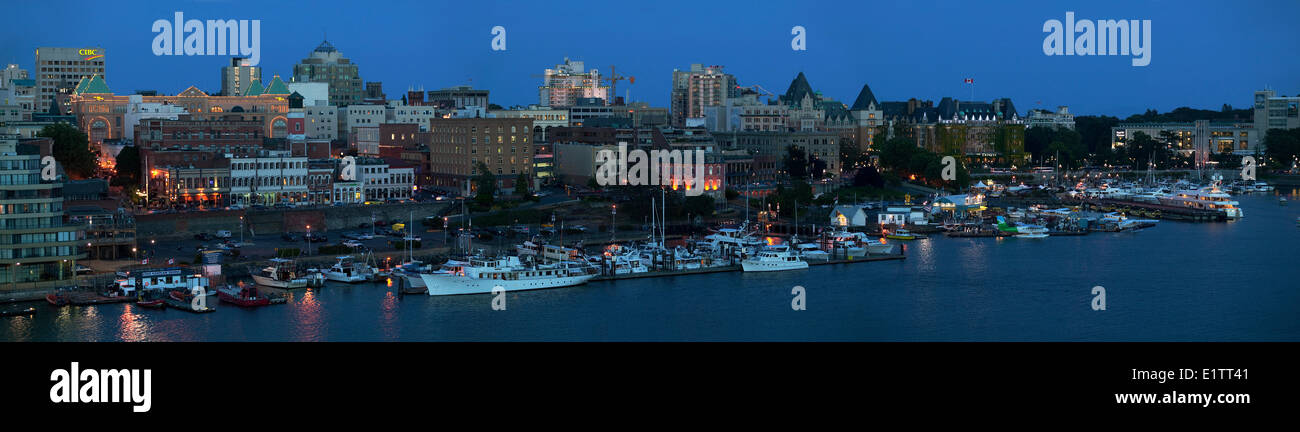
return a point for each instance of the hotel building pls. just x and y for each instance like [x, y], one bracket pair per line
[458, 145]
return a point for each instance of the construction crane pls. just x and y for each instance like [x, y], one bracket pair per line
[613, 80]
[759, 89]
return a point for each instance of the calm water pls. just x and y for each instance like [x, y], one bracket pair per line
[1177, 281]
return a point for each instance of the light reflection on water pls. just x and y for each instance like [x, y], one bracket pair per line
[1177, 281]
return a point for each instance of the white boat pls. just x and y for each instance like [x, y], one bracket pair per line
[810, 251]
[281, 273]
[773, 259]
[1032, 236]
[482, 275]
[1207, 198]
[347, 269]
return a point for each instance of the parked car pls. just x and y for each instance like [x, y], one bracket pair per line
[314, 237]
[225, 234]
[203, 236]
[81, 269]
[353, 244]
[289, 237]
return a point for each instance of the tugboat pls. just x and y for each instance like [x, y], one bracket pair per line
[243, 295]
[281, 273]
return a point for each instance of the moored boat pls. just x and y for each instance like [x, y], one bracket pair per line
[243, 295]
[281, 273]
[347, 269]
[483, 275]
[57, 299]
[773, 259]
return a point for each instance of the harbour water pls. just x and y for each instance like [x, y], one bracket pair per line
[1234, 281]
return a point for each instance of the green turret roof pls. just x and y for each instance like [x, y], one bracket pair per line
[276, 87]
[94, 84]
[254, 88]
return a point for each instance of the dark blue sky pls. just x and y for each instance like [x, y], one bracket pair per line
[1204, 53]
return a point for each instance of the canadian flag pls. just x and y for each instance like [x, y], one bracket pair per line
[969, 80]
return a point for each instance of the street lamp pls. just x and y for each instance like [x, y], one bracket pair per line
[308, 239]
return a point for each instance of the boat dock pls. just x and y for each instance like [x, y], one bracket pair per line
[737, 267]
[1150, 210]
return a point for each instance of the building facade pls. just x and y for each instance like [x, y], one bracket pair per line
[697, 89]
[457, 146]
[236, 78]
[59, 70]
[102, 114]
[38, 245]
[326, 64]
[568, 82]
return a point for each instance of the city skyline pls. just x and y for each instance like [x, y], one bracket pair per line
[927, 58]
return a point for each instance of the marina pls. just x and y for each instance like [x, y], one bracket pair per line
[946, 288]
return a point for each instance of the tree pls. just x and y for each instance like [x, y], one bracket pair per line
[817, 168]
[1282, 146]
[698, 205]
[521, 185]
[486, 183]
[128, 167]
[71, 149]
[851, 156]
[868, 176]
[796, 162]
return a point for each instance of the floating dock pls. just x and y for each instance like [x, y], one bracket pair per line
[737, 267]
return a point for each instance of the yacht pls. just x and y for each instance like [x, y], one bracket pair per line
[482, 275]
[281, 273]
[347, 269]
[811, 251]
[1206, 198]
[773, 259]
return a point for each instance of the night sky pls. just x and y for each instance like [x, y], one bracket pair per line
[1204, 54]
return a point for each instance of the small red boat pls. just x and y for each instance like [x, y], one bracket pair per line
[243, 295]
[151, 304]
[57, 299]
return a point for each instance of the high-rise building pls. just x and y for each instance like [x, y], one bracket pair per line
[236, 78]
[326, 64]
[58, 70]
[568, 82]
[699, 88]
[40, 245]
